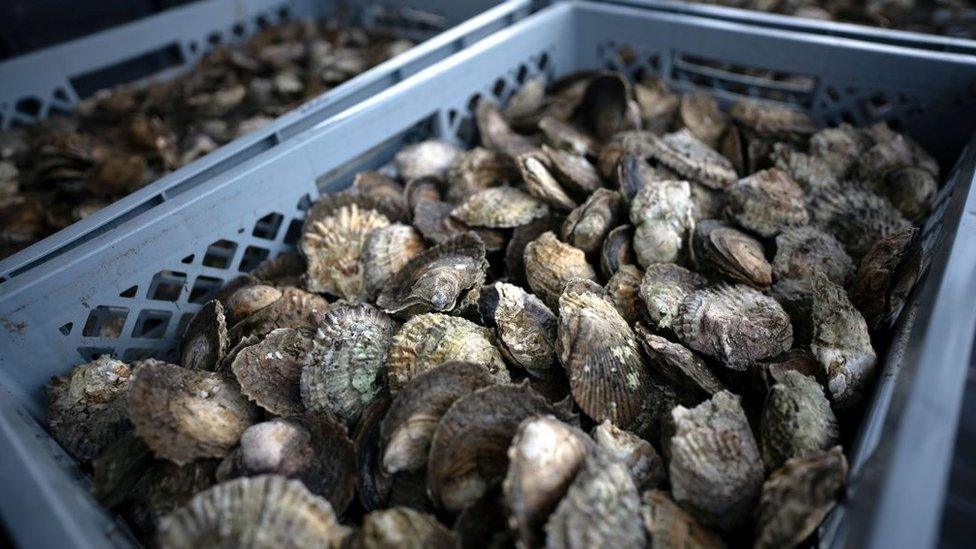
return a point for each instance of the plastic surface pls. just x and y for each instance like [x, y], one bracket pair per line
[155, 269]
[44, 82]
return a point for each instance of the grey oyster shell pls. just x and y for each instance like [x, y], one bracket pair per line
[333, 248]
[797, 420]
[343, 370]
[887, 274]
[623, 290]
[663, 288]
[715, 470]
[550, 264]
[689, 157]
[736, 325]
[497, 135]
[205, 341]
[385, 251]
[574, 172]
[588, 225]
[401, 527]
[430, 158]
[732, 253]
[524, 326]
[803, 251]
[857, 216]
[772, 119]
[646, 467]
[119, 468]
[617, 250]
[840, 148]
[670, 527]
[541, 183]
[269, 372]
[500, 208]
[564, 136]
[661, 213]
[767, 202]
[812, 173]
[700, 113]
[682, 369]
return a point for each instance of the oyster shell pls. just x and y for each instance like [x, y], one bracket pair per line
[658, 106]
[887, 274]
[330, 204]
[772, 119]
[437, 279]
[266, 510]
[811, 173]
[500, 207]
[617, 250]
[663, 288]
[544, 457]
[118, 469]
[164, 488]
[600, 352]
[534, 167]
[521, 236]
[715, 470]
[424, 189]
[87, 408]
[527, 100]
[380, 186]
[497, 135]
[633, 174]
[600, 509]
[385, 251]
[284, 270]
[573, 171]
[294, 309]
[840, 148]
[672, 362]
[249, 299]
[524, 326]
[911, 190]
[684, 153]
[669, 526]
[841, 343]
[343, 370]
[767, 202]
[796, 297]
[311, 448]
[588, 225]
[550, 264]
[736, 325]
[661, 213]
[731, 253]
[567, 137]
[431, 158]
[401, 527]
[606, 108]
[408, 427]
[475, 171]
[623, 290]
[205, 340]
[374, 484]
[270, 372]
[803, 251]
[855, 215]
[796, 498]
[469, 451]
[646, 467]
[700, 113]
[428, 340]
[796, 419]
[333, 248]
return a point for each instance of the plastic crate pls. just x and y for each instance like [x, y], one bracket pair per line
[53, 80]
[157, 268]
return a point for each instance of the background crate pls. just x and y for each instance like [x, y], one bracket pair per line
[154, 270]
[50, 81]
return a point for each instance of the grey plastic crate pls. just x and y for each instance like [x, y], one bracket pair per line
[155, 269]
[53, 80]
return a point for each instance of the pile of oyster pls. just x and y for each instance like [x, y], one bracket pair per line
[68, 167]
[627, 318]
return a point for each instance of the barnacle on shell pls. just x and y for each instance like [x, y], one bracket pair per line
[797, 420]
[333, 248]
[524, 325]
[269, 372]
[550, 264]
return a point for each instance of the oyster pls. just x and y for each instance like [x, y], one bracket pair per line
[433, 220]
[855, 215]
[841, 343]
[803, 251]
[475, 171]
[887, 274]
[682, 369]
[285, 270]
[428, 340]
[658, 106]
[205, 341]
[270, 372]
[293, 309]
[796, 498]
[266, 510]
[600, 352]
[401, 527]
[600, 509]
[409, 425]
[669, 526]
[646, 467]
[772, 119]
[311, 448]
[587, 226]
[633, 174]
[374, 484]
[184, 415]
[527, 100]
[431, 158]
[497, 135]
[524, 326]
[500, 207]
[663, 288]
[606, 108]
[333, 248]
[343, 370]
[796, 419]
[380, 186]
[550, 264]
[767, 202]
[330, 204]
[840, 148]
[544, 457]
[425, 189]
[573, 171]
[540, 182]
[661, 213]
[796, 297]
[567, 137]
[715, 470]
[249, 299]
[699, 113]
[731, 253]
[623, 290]
[87, 409]
[118, 469]
[469, 450]
[521, 236]
[911, 190]
[811, 173]
[164, 488]
[684, 153]
[437, 279]
[385, 251]
[617, 250]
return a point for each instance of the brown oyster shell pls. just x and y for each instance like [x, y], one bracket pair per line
[270, 372]
[484, 525]
[732, 253]
[887, 274]
[527, 100]
[663, 288]
[567, 137]
[689, 157]
[385, 251]
[374, 484]
[381, 186]
[623, 290]
[87, 408]
[841, 343]
[796, 498]
[540, 182]
[550, 264]
[437, 279]
[544, 457]
[772, 119]
[184, 415]
[911, 190]
[633, 174]
[661, 213]
[669, 526]
[606, 108]
[333, 248]
[497, 135]
[266, 510]
[682, 369]
[284, 270]
[699, 112]
[658, 106]
[521, 236]
[796, 420]
[475, 171]
[573, 171]
[600, 509]
[401, 527]
[646, 467]
[205, 340]
[311, 448]
[428, 340]
[469, 451]
[617, 250]
[715, 470]
[767, 202]
[424, 189]
[803, 251]
[736, 325]
[524, 326]
[500, 208]
[588, 225]
[431, 158]
[248, 300]
[343, 370]
[408, 427]
[600, 352]
[330, 204]
[294, 309]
